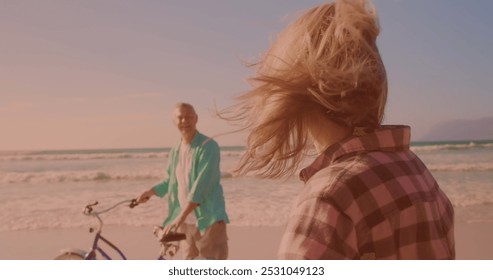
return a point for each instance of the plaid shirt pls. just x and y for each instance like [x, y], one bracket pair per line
[370, 197]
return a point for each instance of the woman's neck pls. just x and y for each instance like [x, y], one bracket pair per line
[325, 133]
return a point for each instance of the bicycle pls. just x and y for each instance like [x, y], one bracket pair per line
[169, 246]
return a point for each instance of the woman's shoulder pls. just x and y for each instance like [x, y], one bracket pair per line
[340, 182]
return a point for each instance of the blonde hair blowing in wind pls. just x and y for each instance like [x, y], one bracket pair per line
[324, 63]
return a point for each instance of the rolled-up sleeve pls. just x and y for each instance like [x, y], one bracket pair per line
[161, 189]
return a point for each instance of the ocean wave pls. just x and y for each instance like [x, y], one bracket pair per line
[226, 152]
[83, 176]
[95, 156]
[461, 167]
[449, 146]
[46, 157]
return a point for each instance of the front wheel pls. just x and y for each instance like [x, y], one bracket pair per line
[71, 254]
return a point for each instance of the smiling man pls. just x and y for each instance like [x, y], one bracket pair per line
[195, 196]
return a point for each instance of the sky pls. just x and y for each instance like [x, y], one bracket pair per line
[106, 74]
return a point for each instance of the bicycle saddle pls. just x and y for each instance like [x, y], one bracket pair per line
[170, 237]
[173, 236]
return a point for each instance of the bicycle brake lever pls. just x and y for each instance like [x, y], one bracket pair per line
[88, 209]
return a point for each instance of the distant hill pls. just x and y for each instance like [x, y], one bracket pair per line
[456, 130]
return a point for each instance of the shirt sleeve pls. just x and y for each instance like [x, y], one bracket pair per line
[318, 230]
[208, 173]
[161, 189]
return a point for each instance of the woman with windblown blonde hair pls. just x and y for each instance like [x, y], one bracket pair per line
[323, 83]
[323, 66]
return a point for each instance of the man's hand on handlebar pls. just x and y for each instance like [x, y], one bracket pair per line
[145, 196]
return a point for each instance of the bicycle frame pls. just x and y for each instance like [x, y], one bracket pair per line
[91, 255]
[165, 240]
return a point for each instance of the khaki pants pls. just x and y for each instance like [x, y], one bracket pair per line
[213, 244]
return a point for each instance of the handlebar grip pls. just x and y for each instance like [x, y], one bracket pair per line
[133, 203]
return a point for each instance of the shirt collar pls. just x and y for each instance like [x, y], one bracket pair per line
[196, 140]
[389, 138]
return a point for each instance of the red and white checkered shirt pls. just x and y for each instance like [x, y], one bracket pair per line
[370, 197]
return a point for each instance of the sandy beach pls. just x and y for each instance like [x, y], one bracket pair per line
[137, 243]
[473, 242]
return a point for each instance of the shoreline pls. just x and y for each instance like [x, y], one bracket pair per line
[245, 243]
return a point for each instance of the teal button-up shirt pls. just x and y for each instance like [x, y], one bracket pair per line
[204, 185]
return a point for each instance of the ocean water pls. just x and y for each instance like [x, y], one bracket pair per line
[49, 189]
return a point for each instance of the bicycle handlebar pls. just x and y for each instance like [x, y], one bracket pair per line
[88, 210]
